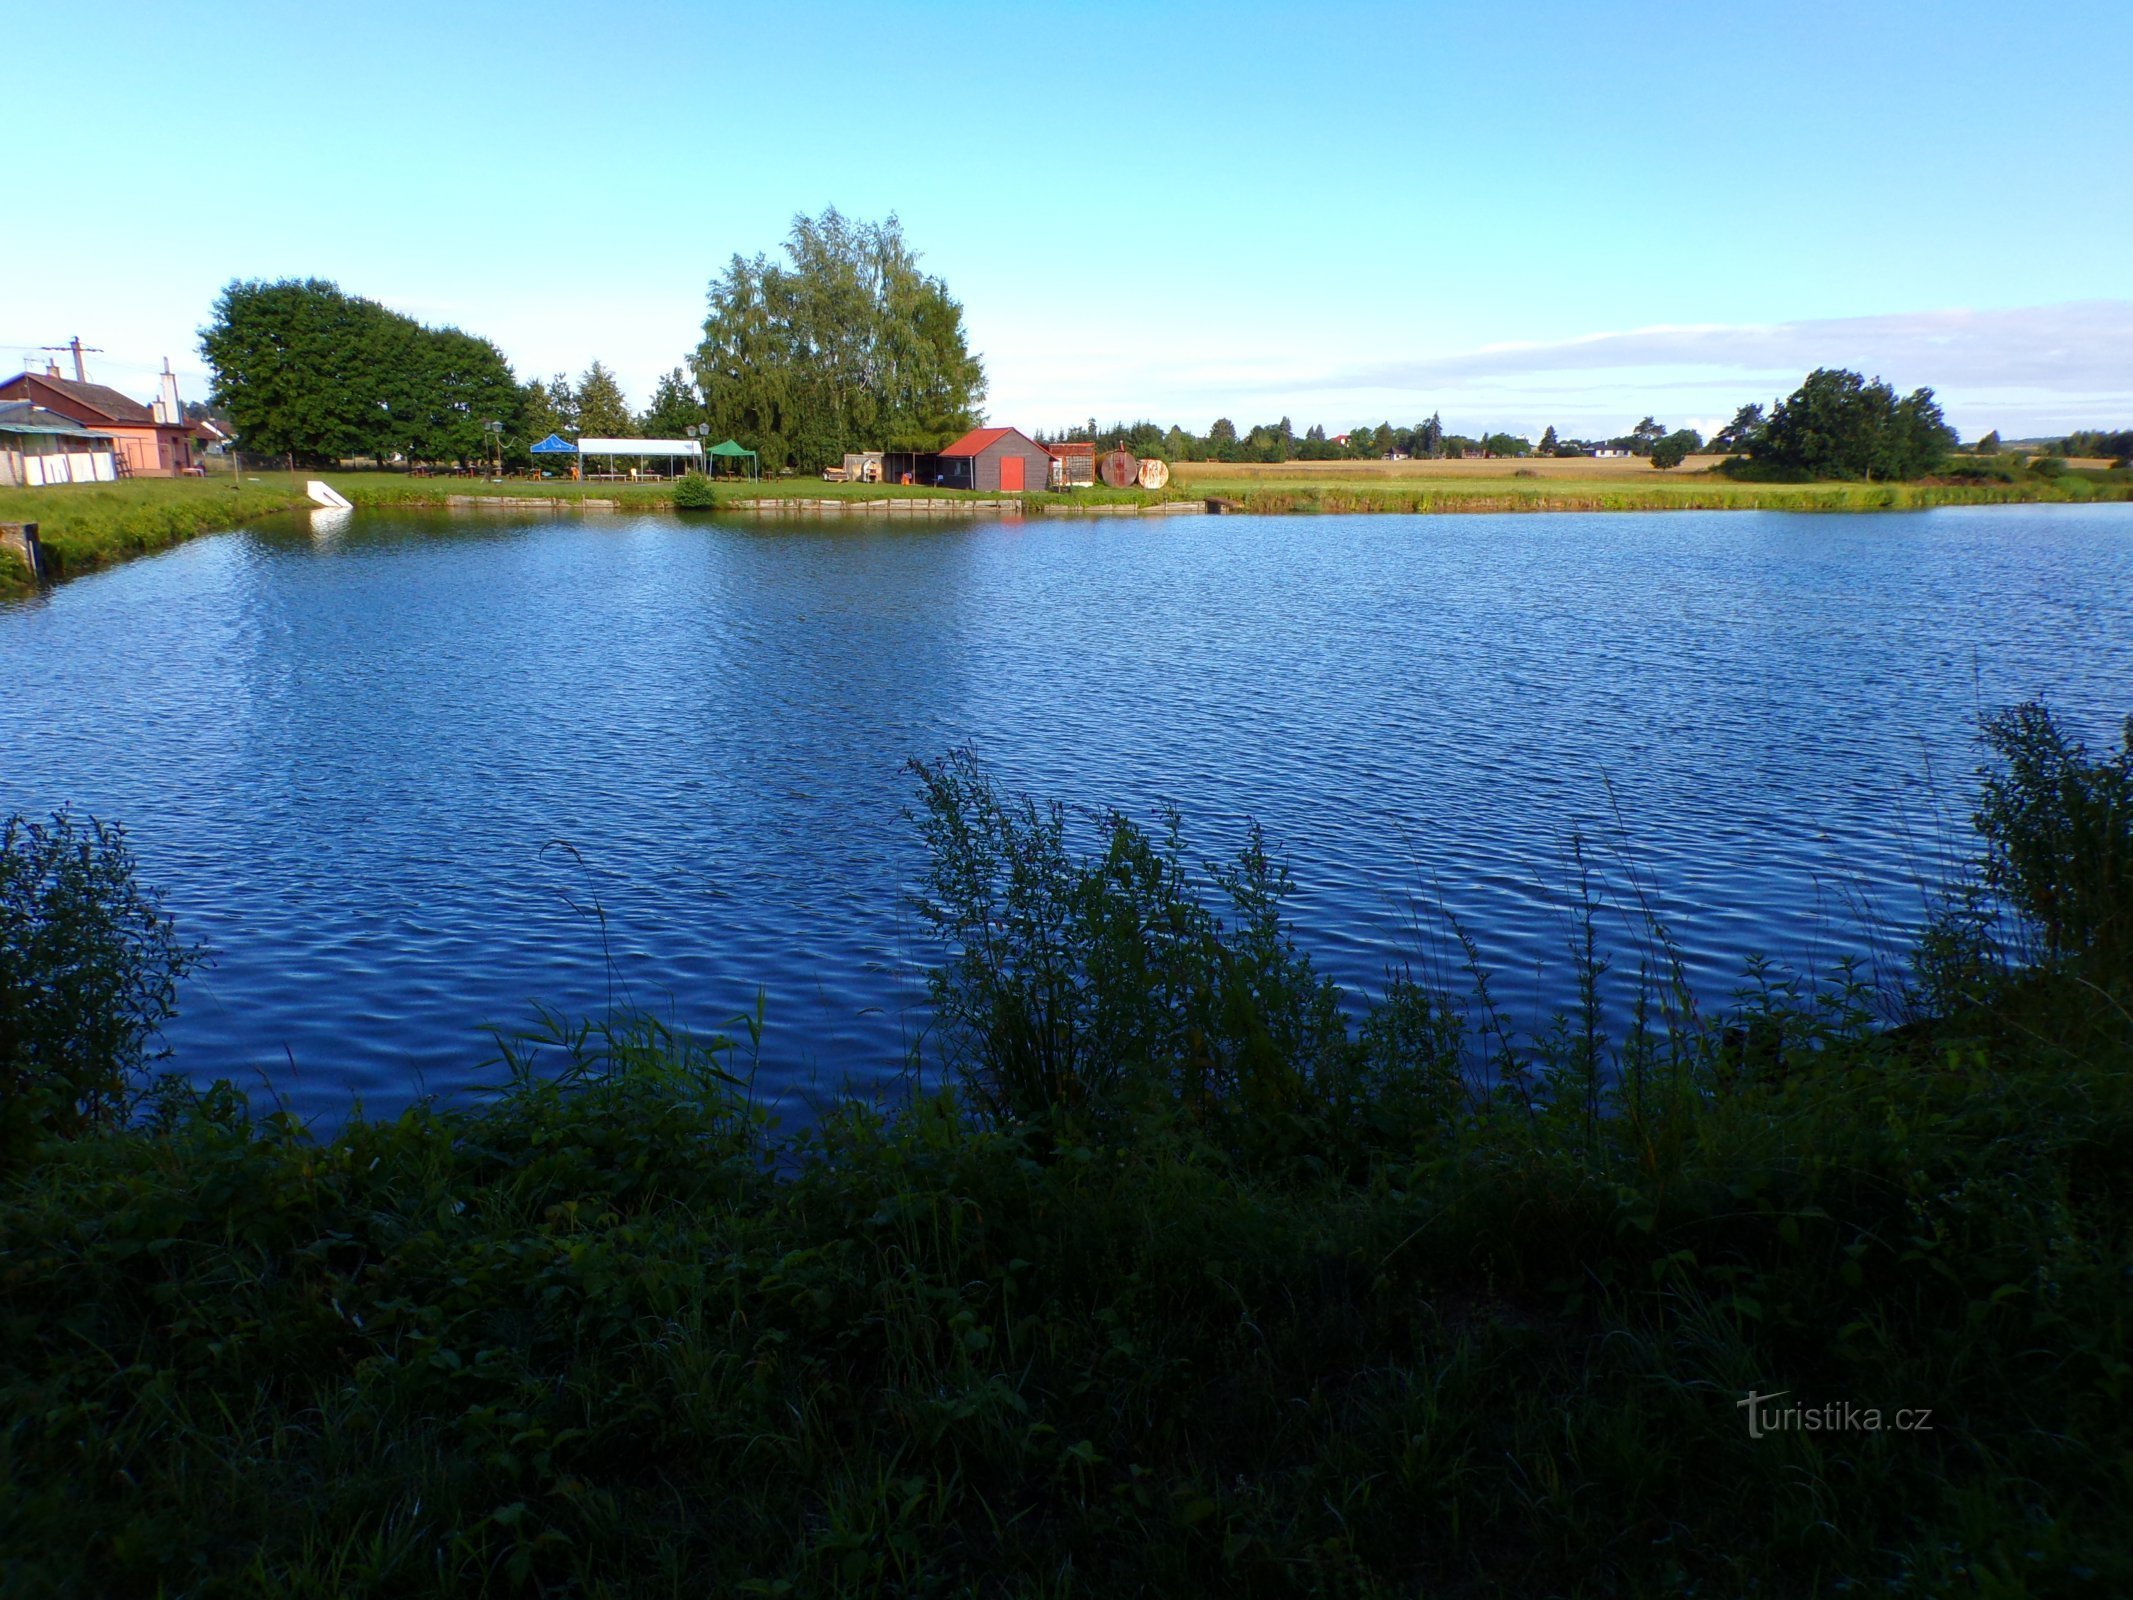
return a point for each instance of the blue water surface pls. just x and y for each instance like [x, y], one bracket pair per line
[388, 767]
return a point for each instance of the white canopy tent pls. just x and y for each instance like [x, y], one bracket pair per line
[688, 450]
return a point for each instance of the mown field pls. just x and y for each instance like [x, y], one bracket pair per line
[1537, 484]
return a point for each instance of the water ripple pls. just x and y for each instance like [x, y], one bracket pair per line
[412, 778]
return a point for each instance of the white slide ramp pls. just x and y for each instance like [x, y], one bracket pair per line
[328, 496]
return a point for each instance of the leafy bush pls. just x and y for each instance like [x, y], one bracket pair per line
[693, 492]
[2057, 824]
[89, 968]
[1675, 448]
[1095, 986]
[2048, 466]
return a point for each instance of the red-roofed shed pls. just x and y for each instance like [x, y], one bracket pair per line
[996, 460]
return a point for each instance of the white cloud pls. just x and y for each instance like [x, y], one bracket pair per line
[2024, 370]
[2078, 349]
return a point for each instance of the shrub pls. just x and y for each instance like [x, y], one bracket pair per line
[2048, 466]
[1092, 987]
[2057, 825]
[89, 968]
[693, 492]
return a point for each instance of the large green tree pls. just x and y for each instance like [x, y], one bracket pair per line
[843, 345]
[1839, 425]
[304, 369]
[603, 410]
[675, 406]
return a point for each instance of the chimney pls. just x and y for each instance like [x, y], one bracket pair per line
[51, 369]
[167, 407]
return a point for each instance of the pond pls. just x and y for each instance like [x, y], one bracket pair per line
[411, 774]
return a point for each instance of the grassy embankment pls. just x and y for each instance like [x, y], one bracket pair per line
[1355, 486]
[86, 528]
[83, 526]
[1222, 1297]
[1588, 485]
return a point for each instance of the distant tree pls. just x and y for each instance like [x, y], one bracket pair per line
[303, 369]
[1644, 435]
[1676, 448]
[1990, 444]
[546, 408]
[1839, 425]
[674, 407]
[2117, 444]
[603, 410]
[843, 345]
[1741, 433]
[1429, 440]
[1549, 441]
[1507, 444]
[1223, 432]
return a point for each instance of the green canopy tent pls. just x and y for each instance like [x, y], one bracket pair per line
[733, 452]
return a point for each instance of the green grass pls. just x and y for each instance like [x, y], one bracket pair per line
[1174, 1320]
[84, 527]
[1694, 491]
[585, 1341]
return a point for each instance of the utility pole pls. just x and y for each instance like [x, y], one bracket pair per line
[81, 374]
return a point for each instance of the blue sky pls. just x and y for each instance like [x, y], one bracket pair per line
[1568, 214]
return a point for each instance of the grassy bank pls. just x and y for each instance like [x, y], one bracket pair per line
[1586, 485]
[1192, 1290]
[84, 527]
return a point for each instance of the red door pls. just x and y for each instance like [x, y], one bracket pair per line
[1010, 473]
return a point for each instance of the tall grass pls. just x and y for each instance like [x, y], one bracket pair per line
[1477, 1316]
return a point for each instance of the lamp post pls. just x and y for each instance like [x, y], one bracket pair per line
[495, 430]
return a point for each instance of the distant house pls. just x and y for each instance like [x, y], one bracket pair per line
[1340, 439]
[1609, 452]
[996, 460]
[147, 441]
[40, 448]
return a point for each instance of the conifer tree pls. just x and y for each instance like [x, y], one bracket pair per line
[603, 411]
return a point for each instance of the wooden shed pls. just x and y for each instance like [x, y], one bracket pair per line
[996, 461]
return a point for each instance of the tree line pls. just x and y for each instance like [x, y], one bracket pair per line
[843, 343]
[1423, 441]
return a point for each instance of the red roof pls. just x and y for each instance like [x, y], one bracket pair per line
[1072, 447]
[979, 440]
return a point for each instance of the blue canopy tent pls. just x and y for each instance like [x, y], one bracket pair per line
[554, 445]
